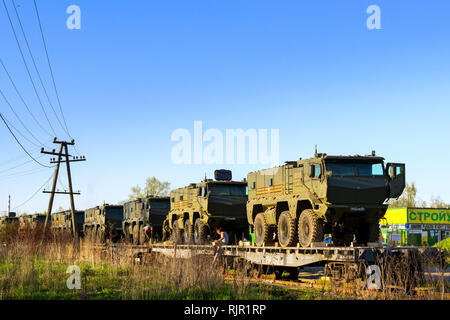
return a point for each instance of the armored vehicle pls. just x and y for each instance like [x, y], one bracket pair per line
[196, 210]
[9, 219]
[344, 196]
[62, 221]
[103, 222]
[32, 221]
[143, 212]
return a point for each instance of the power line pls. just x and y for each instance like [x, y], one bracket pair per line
[27, 68]
[35, 66]
[20, 133]
[22, 156]
[19, 165]
[20, 144]
[22, 174]
[34, 194]
[51, 69]
[21, 98]
[18, 118]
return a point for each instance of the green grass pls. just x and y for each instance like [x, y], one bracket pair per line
[34, 278]
[443, 244]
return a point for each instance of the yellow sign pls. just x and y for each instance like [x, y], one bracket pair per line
[429, 216]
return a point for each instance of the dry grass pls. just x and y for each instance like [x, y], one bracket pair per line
[33, 266]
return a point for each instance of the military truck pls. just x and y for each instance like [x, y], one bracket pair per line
[62, 221]
[198, 209]
[32, 221]
[344, 196]
[9, 219]
[103, 222]
[137, 214]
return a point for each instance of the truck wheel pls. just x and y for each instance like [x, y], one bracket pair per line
[286, 230]
[310, 228]
[136, 234]
[261, 230]
[200, 232]
[99, 235]
[188, 232]
[142, 237]
[176, 233]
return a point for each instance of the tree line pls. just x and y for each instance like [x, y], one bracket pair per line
[409, 199]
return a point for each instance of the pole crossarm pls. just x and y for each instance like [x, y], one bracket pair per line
[64, 161]
[61, 192]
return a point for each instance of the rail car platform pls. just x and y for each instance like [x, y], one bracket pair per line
[297, 256]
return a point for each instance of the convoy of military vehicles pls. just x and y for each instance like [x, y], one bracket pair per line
[295, 204]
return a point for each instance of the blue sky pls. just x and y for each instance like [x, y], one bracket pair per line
[138, 70]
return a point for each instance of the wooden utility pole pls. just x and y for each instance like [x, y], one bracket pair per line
[63, 153]
[9, 205]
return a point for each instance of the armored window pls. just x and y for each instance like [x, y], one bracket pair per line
[172, 199]
[181, 198]
[270, 182]
[253, 185]
[203, 192]
[315, 171]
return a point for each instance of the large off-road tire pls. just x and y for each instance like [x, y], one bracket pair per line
[310, 228]
[177, 233]
[136, 234]
[200, 232]
[261, 230]
[142, 236]
[286, 230]
[188, 236]
[126, 233]
[99, 235]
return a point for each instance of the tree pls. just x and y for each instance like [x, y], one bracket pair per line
[407, 199]
[437, 202]
[153, 187]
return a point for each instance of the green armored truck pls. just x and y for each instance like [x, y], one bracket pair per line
[9, 219]
[344, 196]
[196, 210]
[103, 222]
[32, 221]
[142, 212]
[62, 221]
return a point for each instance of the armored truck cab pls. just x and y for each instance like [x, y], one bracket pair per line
[196, 210]
[344, 196]
[8, 220]
[31, 222]
[62, 221]
[143, 212]
[103, 222]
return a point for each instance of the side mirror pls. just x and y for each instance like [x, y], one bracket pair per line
[329, 174]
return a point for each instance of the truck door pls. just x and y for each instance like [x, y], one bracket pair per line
[397, 179]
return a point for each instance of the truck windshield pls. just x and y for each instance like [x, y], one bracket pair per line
[355, 169]
[227, 190]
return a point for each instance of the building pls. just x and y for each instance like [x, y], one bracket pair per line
[415, 226]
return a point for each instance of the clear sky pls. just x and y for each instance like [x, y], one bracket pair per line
[138, 70]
